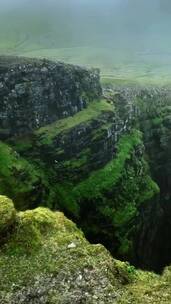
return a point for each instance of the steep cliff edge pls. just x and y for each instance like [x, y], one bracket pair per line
[34, 93]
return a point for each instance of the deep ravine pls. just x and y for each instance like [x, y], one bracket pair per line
[100, 155]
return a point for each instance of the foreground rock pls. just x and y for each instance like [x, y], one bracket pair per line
[46, 259]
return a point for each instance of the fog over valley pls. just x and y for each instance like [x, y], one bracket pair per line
[110, 34]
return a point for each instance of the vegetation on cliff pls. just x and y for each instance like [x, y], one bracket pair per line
[19, 179]
[78, 166]
[105, 203]
[99, 164]
[48, 133]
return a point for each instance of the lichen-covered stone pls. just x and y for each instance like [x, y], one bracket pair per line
[7, 213]
[38, 265]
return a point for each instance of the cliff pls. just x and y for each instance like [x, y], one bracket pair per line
[100, 155]
[90, 165]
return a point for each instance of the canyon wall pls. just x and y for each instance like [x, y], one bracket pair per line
[100, 156]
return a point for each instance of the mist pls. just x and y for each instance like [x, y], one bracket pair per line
[106, 32]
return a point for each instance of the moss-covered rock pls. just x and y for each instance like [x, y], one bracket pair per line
[7, 213]
[46, 259]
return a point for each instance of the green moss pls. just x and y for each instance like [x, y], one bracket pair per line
[20, 179]
[94, 109]
[38, 257]
[23, 145]
[127, 179]
[39, 246]
[66, 200]
[7, 213]
[151, 189]
[15, 172]
[75, 163]
[99, 181]
[39, 251]
[110, 195]
[126, 212]
[134, 188]
[29, 249]
[105, 178]
[29, 228]
[127, 272]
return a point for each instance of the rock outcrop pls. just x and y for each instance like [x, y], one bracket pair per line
[46, 259]
[34, 93]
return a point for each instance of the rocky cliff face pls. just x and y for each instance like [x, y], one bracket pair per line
[155, 222]
[35, 93]
[152, 108]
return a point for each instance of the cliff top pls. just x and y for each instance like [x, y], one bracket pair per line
[7, 61]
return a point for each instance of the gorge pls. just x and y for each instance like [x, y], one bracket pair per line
[99, 153]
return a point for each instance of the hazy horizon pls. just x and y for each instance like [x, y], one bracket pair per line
[107, 32]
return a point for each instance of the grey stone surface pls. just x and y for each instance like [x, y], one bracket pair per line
[34, 93]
